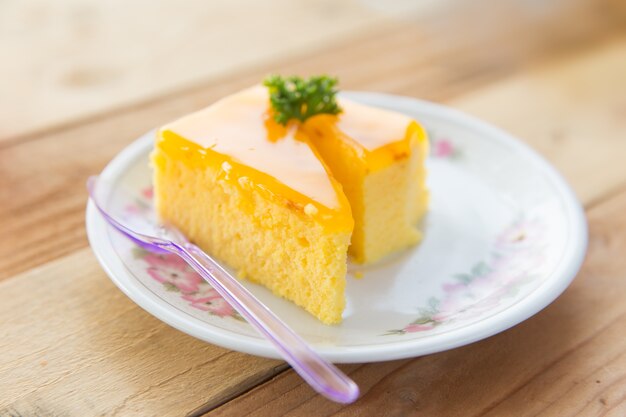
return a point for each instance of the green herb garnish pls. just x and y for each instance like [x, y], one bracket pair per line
[297, 98]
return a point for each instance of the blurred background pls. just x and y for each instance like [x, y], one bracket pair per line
[65, 60]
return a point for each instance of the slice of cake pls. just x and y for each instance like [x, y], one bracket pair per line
[378, 156]
[276, 182]
[256, 195]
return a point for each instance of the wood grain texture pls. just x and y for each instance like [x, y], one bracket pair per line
[42, 176]
[569, 360]
[573, 111]
[72, 344]
[76, 59]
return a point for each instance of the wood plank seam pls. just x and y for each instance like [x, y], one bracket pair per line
[147, 389]
[345, 42]
[620, 188]
[207, 407]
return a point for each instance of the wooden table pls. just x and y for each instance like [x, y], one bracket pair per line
[81, 80]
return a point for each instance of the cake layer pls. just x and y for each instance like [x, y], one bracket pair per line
[378, 156]
[283, 205]
[257, 197]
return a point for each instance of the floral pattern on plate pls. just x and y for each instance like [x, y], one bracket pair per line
[177, 276]
[443, 147]
[516, 259]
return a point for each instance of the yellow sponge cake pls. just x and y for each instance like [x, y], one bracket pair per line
[257, 196]
[283, 201]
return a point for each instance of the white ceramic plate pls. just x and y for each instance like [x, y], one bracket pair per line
[503, 238]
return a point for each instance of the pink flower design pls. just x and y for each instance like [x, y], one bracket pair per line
[453, 287]
[518, 255]
[443, 148]
[172, 270]
[132, 209]
[175, 275]
[413, 328]
[204, 291]
[147, 193]
[207, 299]
[451, 304]
[138, 208]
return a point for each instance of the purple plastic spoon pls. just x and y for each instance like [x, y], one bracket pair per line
[320, 374]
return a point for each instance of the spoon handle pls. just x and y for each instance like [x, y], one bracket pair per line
[323, 376]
